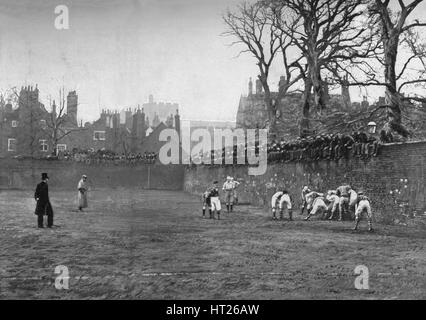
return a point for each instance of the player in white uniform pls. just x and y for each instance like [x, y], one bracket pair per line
[236, 184]
[229, 188]
[310, 197]
[344, 193]
[363, 205]
[333, 206]
[281, 199]
[353, 201]
[318, 206]
[305, 192]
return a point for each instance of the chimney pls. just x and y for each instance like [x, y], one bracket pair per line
[250, 88]
[54, 109]
[258, 87]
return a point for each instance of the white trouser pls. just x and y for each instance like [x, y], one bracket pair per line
[285, 199]
[215, 204]
[363, 206]
[319, 206]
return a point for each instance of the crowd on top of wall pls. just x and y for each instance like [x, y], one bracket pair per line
[313, 148]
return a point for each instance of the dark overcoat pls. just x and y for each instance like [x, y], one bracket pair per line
[43, 206]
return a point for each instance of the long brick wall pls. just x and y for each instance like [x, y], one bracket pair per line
[25, 174]
[398, 167]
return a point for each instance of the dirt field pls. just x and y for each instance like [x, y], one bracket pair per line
[137, 244]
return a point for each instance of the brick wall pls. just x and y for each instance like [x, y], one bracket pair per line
[398, 167]
[25, 174]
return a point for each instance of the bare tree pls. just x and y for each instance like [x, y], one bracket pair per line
[329, 35]
[396, 32]
[56, 124]
[254, 27]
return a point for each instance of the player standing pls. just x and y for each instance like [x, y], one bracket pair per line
[229, 188]
[305, 192]
[206, 203]
[214, 200]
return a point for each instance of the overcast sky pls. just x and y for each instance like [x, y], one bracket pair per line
[117, 52]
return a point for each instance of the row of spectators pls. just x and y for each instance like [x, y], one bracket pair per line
[105, 156]
[325, 147]
[321, 147]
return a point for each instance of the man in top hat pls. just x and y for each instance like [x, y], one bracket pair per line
[82, 193]
[43, 206]
[363, 206]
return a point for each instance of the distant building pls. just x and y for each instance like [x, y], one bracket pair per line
[253, 113]
[159, 111]
[27, 129]
[23, 129]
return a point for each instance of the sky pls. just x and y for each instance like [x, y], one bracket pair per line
[118, 52]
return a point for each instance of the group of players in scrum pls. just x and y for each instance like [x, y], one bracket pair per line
[336, 204]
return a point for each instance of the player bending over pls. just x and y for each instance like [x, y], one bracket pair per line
[318, 206]
[281, 199]
[333, 206]
[363, 206]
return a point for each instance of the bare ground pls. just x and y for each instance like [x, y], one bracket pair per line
[155, 245]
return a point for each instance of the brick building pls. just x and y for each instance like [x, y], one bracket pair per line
[28, 129]
[23, 129]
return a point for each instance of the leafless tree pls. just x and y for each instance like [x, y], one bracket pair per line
[330, 35]
[397, 33]
[254, 27]
[56, 124]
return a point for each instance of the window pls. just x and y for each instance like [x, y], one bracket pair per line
[14, 123]
[99, 136]
[61, 148]
[43, 123]
[11, 145]
[43, 145]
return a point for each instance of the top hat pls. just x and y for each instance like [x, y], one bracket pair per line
[44, 176]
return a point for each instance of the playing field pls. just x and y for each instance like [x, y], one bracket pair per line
[155, 245]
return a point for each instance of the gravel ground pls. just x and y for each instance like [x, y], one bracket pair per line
[133, 244]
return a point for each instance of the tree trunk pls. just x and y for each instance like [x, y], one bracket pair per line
[307, 97]
[271, 106]
[392, 96]
[318, 91]
[316, 81]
